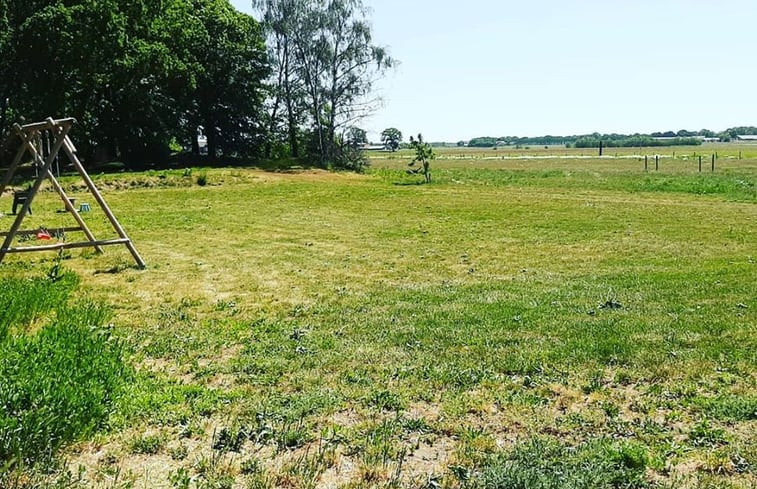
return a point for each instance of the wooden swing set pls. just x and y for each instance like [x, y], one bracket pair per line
[44, 141]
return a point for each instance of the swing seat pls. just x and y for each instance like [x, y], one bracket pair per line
[19, 198]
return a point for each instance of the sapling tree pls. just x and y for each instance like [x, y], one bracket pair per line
[423, 155]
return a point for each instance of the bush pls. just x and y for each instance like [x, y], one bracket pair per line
[58, 385]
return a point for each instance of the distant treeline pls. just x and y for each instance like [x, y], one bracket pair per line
[636, 142]
[680, 138]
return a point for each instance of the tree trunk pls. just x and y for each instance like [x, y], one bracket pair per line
[3, 112]
[210, 133]
[276, 102]
[318, 124]
[195, 143]
[291, 122]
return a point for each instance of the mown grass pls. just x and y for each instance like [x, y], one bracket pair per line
[567, 322]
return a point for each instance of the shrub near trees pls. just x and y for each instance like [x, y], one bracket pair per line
[137, 75]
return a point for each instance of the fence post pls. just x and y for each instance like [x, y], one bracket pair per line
[700, 163]
[646, 163]
[713, 163]
[657, 162]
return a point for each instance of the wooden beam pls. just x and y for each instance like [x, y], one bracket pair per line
[49, 123]
[103, 205]
[35, 188]
[65, 246]
[14, 164]
[43, 157]
[66, 201]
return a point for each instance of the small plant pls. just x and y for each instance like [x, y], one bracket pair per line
[423, 155]
[147, 445]
[180, 479]
[251, 466]
[56, 271]
[229, 439]
[202, 179]
[385, 400]
[705, 435]
[178, 452]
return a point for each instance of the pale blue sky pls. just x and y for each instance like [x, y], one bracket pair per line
[530, 68]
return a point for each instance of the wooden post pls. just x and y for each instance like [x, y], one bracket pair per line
[44, 168]
[739, 154]
[12, 169]
[646, 163]
[600, 148]
[66, 201]
[68, 148]
[38, 140]
[700, 163]
[657, 162]
[713, 163]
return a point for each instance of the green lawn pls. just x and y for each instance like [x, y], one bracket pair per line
[517, 323]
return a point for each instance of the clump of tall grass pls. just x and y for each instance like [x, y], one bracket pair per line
[547, 464]
[24, 300]
[57, 383]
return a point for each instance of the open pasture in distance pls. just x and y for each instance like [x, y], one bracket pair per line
[723, 150]
[517, 323]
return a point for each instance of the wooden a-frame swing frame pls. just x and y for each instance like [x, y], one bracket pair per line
[31, 142]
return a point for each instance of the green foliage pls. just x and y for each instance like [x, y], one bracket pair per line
[424, 153]
[227, 52]
[392, 138]
[25, 300]
[136, 75]
[356, 137]
[732, 408]
[635, 142]
[59, 384]
[657, 139]
[325, 65]
[147, 444]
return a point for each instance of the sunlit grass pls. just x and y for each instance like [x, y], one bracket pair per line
[365, 330]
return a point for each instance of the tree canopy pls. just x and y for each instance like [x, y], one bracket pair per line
[392, 138]
[138, 75]
[325, 63]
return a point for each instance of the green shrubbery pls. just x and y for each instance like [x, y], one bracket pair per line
[57, 384]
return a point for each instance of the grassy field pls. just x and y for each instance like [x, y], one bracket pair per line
[528, 322]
